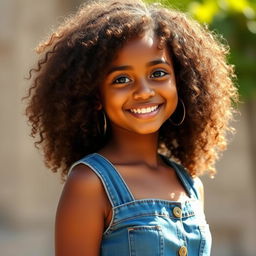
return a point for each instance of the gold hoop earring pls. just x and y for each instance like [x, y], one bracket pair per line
[176, 115]
[103, 133]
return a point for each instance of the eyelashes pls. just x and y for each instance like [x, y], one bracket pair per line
[158, 74]
[122, 80]
[125, 79]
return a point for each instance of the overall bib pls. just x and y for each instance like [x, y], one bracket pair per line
[150, 227]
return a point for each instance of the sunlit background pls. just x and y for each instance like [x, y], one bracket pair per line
[29, 192]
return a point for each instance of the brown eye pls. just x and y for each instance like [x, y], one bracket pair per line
[158, 73]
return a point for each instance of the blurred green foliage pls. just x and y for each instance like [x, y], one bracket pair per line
[236, 21]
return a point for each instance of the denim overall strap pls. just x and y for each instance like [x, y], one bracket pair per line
[188, 182]
[115, 187]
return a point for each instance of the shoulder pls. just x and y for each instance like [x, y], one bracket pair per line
[81, 212]
[84, 188]
[83, 198]
[84, 183]
[82, 178]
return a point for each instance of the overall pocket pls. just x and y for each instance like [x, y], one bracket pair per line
[206, 240]
[146, 241]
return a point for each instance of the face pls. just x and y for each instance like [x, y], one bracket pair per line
[139, 92]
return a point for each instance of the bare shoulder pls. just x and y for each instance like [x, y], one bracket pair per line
[80, 215]
[84, 189]
[83, 180]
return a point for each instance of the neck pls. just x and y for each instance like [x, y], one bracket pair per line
[129, 147]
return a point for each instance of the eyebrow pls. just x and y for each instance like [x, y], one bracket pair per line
[149, 64]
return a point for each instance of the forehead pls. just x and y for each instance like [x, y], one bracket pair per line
[141, 49]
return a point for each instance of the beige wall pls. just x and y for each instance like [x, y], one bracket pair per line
[230, 197]
[29, 193]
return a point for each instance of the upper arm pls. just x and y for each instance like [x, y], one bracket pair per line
[200, 189]
[79, 222]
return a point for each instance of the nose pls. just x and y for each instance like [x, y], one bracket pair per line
[143, 91]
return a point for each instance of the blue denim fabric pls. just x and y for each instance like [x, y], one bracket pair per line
[150, 227]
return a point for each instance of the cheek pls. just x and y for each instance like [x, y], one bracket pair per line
[113, 102]
[171, 97]
[169, 92]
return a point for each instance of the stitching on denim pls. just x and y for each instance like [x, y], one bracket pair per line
[165, 202]
[156, 228]
[105, 184]
[146, 227]
[161, 244]
[109, 193]
[141, 215]
[129, 242]
[202, 241]
[162, 201]
[102, 175]
[73, 165]
[107, 189]
[179, 230]
[183, 233]
[120, 176]
[111, 223]
[103, 181]
[145, 215]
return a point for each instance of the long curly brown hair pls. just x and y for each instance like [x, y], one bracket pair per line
[62, 100]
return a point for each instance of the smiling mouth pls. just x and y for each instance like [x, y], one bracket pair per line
[145, 111]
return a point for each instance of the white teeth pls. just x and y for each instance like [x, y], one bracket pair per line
[143, 110]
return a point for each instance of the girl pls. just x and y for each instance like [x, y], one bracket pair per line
[132, 103]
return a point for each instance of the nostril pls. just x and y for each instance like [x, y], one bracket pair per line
[144, 94]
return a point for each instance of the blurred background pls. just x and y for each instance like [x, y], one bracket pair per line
[29, 193]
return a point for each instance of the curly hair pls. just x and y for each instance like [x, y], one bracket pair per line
[63, 96]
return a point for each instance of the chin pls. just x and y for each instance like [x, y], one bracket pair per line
[147, 130]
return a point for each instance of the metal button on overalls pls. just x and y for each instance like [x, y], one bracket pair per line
[177, 212]
[183, 251]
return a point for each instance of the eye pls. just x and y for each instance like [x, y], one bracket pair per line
[121, 80]
[158, 73]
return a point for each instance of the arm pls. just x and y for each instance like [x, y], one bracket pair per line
[80, 214]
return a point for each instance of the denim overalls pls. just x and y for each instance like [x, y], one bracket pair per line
[150, 227]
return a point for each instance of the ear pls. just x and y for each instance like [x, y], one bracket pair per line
[98, 103]
[98, 106]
